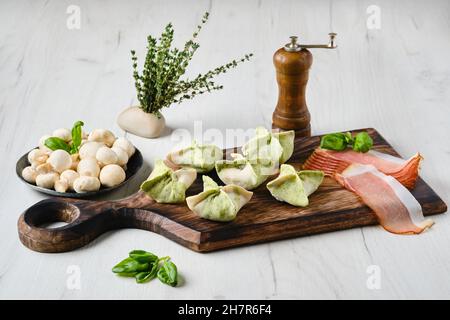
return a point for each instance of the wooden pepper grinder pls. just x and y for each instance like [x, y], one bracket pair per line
[292, 63]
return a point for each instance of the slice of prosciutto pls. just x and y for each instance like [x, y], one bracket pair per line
[395, 207]
[332, 162]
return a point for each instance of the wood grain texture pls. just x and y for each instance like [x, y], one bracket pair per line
[395, 78]
[263, 219]
[292, 73]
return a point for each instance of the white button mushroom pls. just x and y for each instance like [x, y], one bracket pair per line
[86, 184]
[69, 176]
[60, 160]
[63, 133]
[47, 180]
[112, 175]
[125, 145]
[37, 157]
[89, 149]
[29, 174]
[106, 156]
[122, 156]
[42, 145]
[102, 135]
[44, 168]
[61, 185]
[88, 167]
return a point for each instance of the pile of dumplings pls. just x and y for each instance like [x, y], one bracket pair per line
[260, 159]
[101, 161]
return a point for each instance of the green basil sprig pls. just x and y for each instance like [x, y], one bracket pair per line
[145, 266]
[362, 142]
[55, 143]
[77, 136]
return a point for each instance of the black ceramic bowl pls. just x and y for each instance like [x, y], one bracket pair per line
[133, 166]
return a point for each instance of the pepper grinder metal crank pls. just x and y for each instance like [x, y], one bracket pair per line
[292, 64]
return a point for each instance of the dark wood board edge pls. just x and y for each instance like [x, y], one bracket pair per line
[297, 227]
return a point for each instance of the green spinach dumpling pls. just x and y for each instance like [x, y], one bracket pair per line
[286, 139]
[272, 146]
[243, 172]
[199, 157]
[294, 187]
[165, 185]
[218, 203]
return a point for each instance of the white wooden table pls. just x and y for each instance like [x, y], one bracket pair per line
[395, 78]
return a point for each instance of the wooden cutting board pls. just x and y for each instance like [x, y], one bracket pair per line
[263, 219]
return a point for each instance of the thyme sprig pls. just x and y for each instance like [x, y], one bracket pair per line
[159, 84]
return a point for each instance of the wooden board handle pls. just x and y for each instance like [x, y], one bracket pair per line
[85, 220]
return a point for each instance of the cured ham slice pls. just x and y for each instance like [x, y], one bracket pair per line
[396, 208]
[332, 162]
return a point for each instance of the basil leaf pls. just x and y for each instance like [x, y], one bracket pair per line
[363, 142]
[146, 276]
[55, 143]
[127, 274]
[168, 273]
[76, 136]
[129, 265]
[143, 256]
[143, 277]
[334, 141]
[348, 138]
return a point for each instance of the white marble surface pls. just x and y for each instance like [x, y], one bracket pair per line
[395, 79]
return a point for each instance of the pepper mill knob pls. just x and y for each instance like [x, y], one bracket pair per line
[292, 63]
[332, 37]
[293, 45]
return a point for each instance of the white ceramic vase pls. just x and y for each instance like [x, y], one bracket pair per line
[138, 122]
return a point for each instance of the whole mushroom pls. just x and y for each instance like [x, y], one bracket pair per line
[112, 175]
[88, 167]
[125, 145]
[47, 180]
[102, 135]
[69, 176]
[60, 160]
[106, 156]
[89, 149]
[29, 174]
[44, 168]
[61, 185]
[86, 184]
[63, 133]
[37, 157]
[122, 156]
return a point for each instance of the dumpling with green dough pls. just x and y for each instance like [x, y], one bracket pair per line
[199, 157]
[312, 179]
[274, 146]
[218, 203]
[286, 139]
[243, 172]
[294, 187]
[166, 185]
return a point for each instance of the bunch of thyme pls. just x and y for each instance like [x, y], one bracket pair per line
[159, 84]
